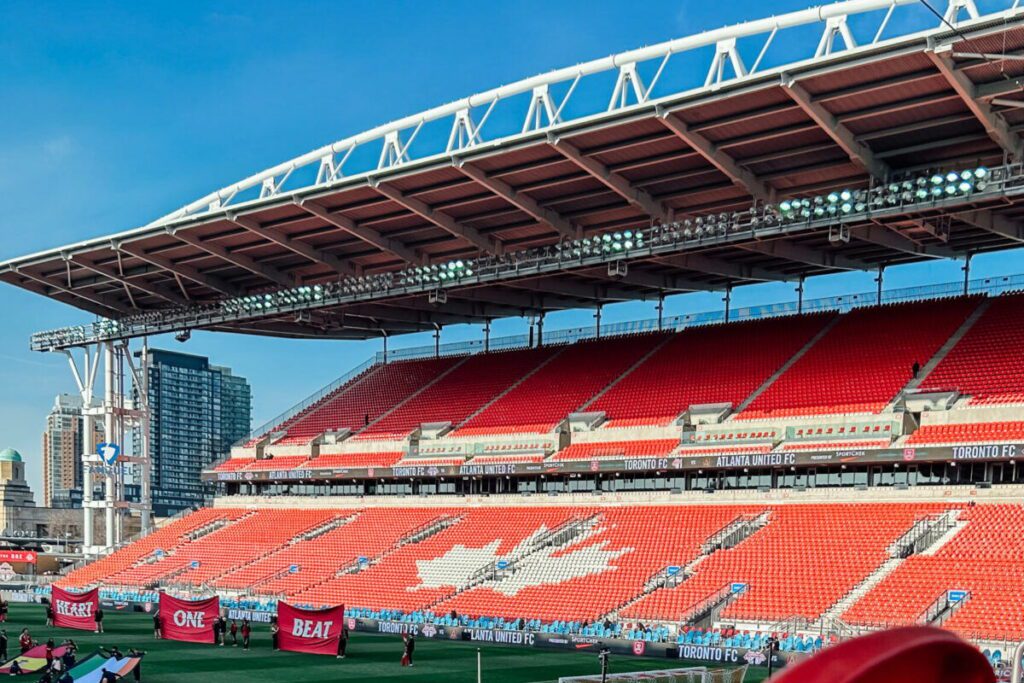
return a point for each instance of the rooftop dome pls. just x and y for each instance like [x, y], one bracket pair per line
[10, 455]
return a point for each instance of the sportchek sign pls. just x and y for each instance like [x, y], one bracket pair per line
[188, 620]
[312, 631]
[74, 610]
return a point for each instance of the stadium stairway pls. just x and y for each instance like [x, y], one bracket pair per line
[786, 366]
[611, 385]
[732, 534]
[942, 353]
[512, 387]
[412, 396]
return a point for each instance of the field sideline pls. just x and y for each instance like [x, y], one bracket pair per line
[371, 657]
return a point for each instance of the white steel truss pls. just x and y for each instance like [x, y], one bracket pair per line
[123, 410]
[538, 110]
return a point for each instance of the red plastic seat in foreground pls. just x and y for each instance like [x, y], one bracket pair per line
[915, 654]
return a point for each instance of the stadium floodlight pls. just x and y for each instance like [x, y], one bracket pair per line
[836, 205]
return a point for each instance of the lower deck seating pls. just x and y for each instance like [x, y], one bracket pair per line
[804, 560]
[582, 562]
[983, 559]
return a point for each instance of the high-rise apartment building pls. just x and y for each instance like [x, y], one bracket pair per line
[197, 411]
[63, 446]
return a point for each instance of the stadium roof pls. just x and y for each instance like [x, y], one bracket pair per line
[451, 183]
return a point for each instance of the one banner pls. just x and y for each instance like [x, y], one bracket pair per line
[32, 661]
[27, 556]
[90, 669]
[74, 610]
[188, 620]
[312, 631]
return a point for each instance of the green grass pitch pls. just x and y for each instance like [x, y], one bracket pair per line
[370, 657]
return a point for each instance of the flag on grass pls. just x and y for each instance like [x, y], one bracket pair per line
[33, 660]
[90, 669]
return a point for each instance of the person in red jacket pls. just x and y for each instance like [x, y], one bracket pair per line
[25, 640]
[246, 632]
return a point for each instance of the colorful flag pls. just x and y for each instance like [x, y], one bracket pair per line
[33, 660]
[90, 669]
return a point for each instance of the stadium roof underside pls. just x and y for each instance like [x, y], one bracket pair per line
[846, 117]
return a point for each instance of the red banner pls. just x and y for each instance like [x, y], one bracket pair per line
[313, 631]
[74, 610]
[188, 620]
[27, 556]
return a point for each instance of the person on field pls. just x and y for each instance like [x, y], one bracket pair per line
[49, 614]
[342, 642]
[99, 620]
[108, 676]
[137, 671]
[3, 610]
[49, 652]
[410, 645]
[274, 630]
[70, 648]
[234, 633]
[112, 652]
[3, 645]
[25, 640]
[246, 632]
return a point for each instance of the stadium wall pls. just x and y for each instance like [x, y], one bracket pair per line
[1002, 493]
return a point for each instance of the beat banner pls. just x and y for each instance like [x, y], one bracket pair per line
[74, 610]
[311, 631]
[188, 620]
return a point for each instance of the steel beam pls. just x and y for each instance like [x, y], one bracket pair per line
[577, 290]
[441, 220]
[521, 302]
[303, 249]
[362, 232]
[613, 181]
[827, 121]
[213, 282]
[142, 286]
[659, 282]
[98, 299]
[722, 268]
[521, 201]
[739, 176]
[799, 253]
[994, 223]
[889, 238]
[241, 260]
[994, 125]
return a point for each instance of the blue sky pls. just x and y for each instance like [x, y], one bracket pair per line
[112, 114]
